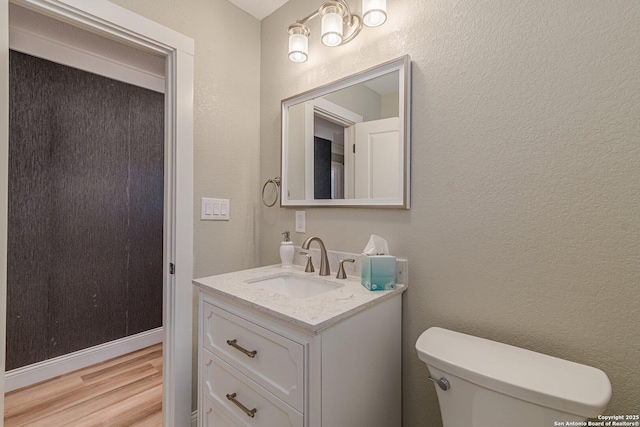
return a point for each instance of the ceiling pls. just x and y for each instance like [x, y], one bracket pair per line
[259, 8]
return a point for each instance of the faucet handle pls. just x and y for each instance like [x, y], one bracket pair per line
[309, 268]
[341, 274]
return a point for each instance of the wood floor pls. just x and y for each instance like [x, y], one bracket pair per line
[125, 391]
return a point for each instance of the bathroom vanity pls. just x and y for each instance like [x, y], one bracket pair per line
[286, 348]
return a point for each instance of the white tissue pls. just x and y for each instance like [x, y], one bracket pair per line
[376, 246]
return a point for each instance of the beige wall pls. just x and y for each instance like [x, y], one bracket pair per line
[524, 225]
[525, 215]
[389, 104]
[226, 127]
[358, 99]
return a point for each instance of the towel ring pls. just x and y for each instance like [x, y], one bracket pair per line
[276, 182]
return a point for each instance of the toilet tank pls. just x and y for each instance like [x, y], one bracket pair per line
[498, 385]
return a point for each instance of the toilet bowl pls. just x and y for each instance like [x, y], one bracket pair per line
[483, 383]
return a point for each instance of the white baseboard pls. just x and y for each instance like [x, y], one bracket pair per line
[31, 374]
[194, 419]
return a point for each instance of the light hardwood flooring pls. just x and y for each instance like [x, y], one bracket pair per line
[125, 391]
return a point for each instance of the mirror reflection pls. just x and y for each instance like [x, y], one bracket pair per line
[347, 146]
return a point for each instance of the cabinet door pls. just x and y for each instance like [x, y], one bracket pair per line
[247, 403]
[277, 365]
[362, 369]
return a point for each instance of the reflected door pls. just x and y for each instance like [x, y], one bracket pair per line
[377, 159]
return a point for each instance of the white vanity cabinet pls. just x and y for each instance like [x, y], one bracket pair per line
[256, 369]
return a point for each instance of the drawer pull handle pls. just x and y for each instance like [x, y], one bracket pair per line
[234, 344]
[250, 412]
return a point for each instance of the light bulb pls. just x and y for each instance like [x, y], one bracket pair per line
[331, 39]
[374, 12]
[298, 43]
[298, 47]
[331, 26]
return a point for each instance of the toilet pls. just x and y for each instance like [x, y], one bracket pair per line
[483, 383]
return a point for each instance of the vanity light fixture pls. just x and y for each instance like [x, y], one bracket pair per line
[339, 25]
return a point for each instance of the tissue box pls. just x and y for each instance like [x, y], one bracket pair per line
[378, 272]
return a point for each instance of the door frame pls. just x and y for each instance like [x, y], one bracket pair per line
[115, 22]
[333, 113]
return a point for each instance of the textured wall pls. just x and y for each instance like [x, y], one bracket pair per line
[226, 127]
[86, 201]
[226, 123]
[525, 215]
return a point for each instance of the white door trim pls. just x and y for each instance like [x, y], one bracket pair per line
[4, 183]
[35, 44]
[331, 112]
[108, 19]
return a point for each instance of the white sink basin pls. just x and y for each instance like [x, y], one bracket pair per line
[294, 286]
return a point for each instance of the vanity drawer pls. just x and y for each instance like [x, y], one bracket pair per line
[228, 388]
[211, 416]
[277, 364]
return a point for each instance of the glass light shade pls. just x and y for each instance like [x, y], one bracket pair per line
[374, 12]
[298, 47]
[331, 28]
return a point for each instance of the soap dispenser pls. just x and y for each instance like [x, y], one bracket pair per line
[286, 251]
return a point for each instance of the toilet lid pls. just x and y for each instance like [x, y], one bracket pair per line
[534, 377]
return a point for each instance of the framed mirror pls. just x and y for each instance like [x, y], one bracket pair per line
[347, 143]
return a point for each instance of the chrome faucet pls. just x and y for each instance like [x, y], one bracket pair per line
[324, 261]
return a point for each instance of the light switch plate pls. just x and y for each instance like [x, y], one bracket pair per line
[214, 209]
[301, 221]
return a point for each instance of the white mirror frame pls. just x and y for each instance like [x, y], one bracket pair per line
[403, 66]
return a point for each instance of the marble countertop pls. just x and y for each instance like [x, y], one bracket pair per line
[313, 313]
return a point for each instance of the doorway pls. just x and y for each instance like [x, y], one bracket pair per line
[85, 217]
[105, 18]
